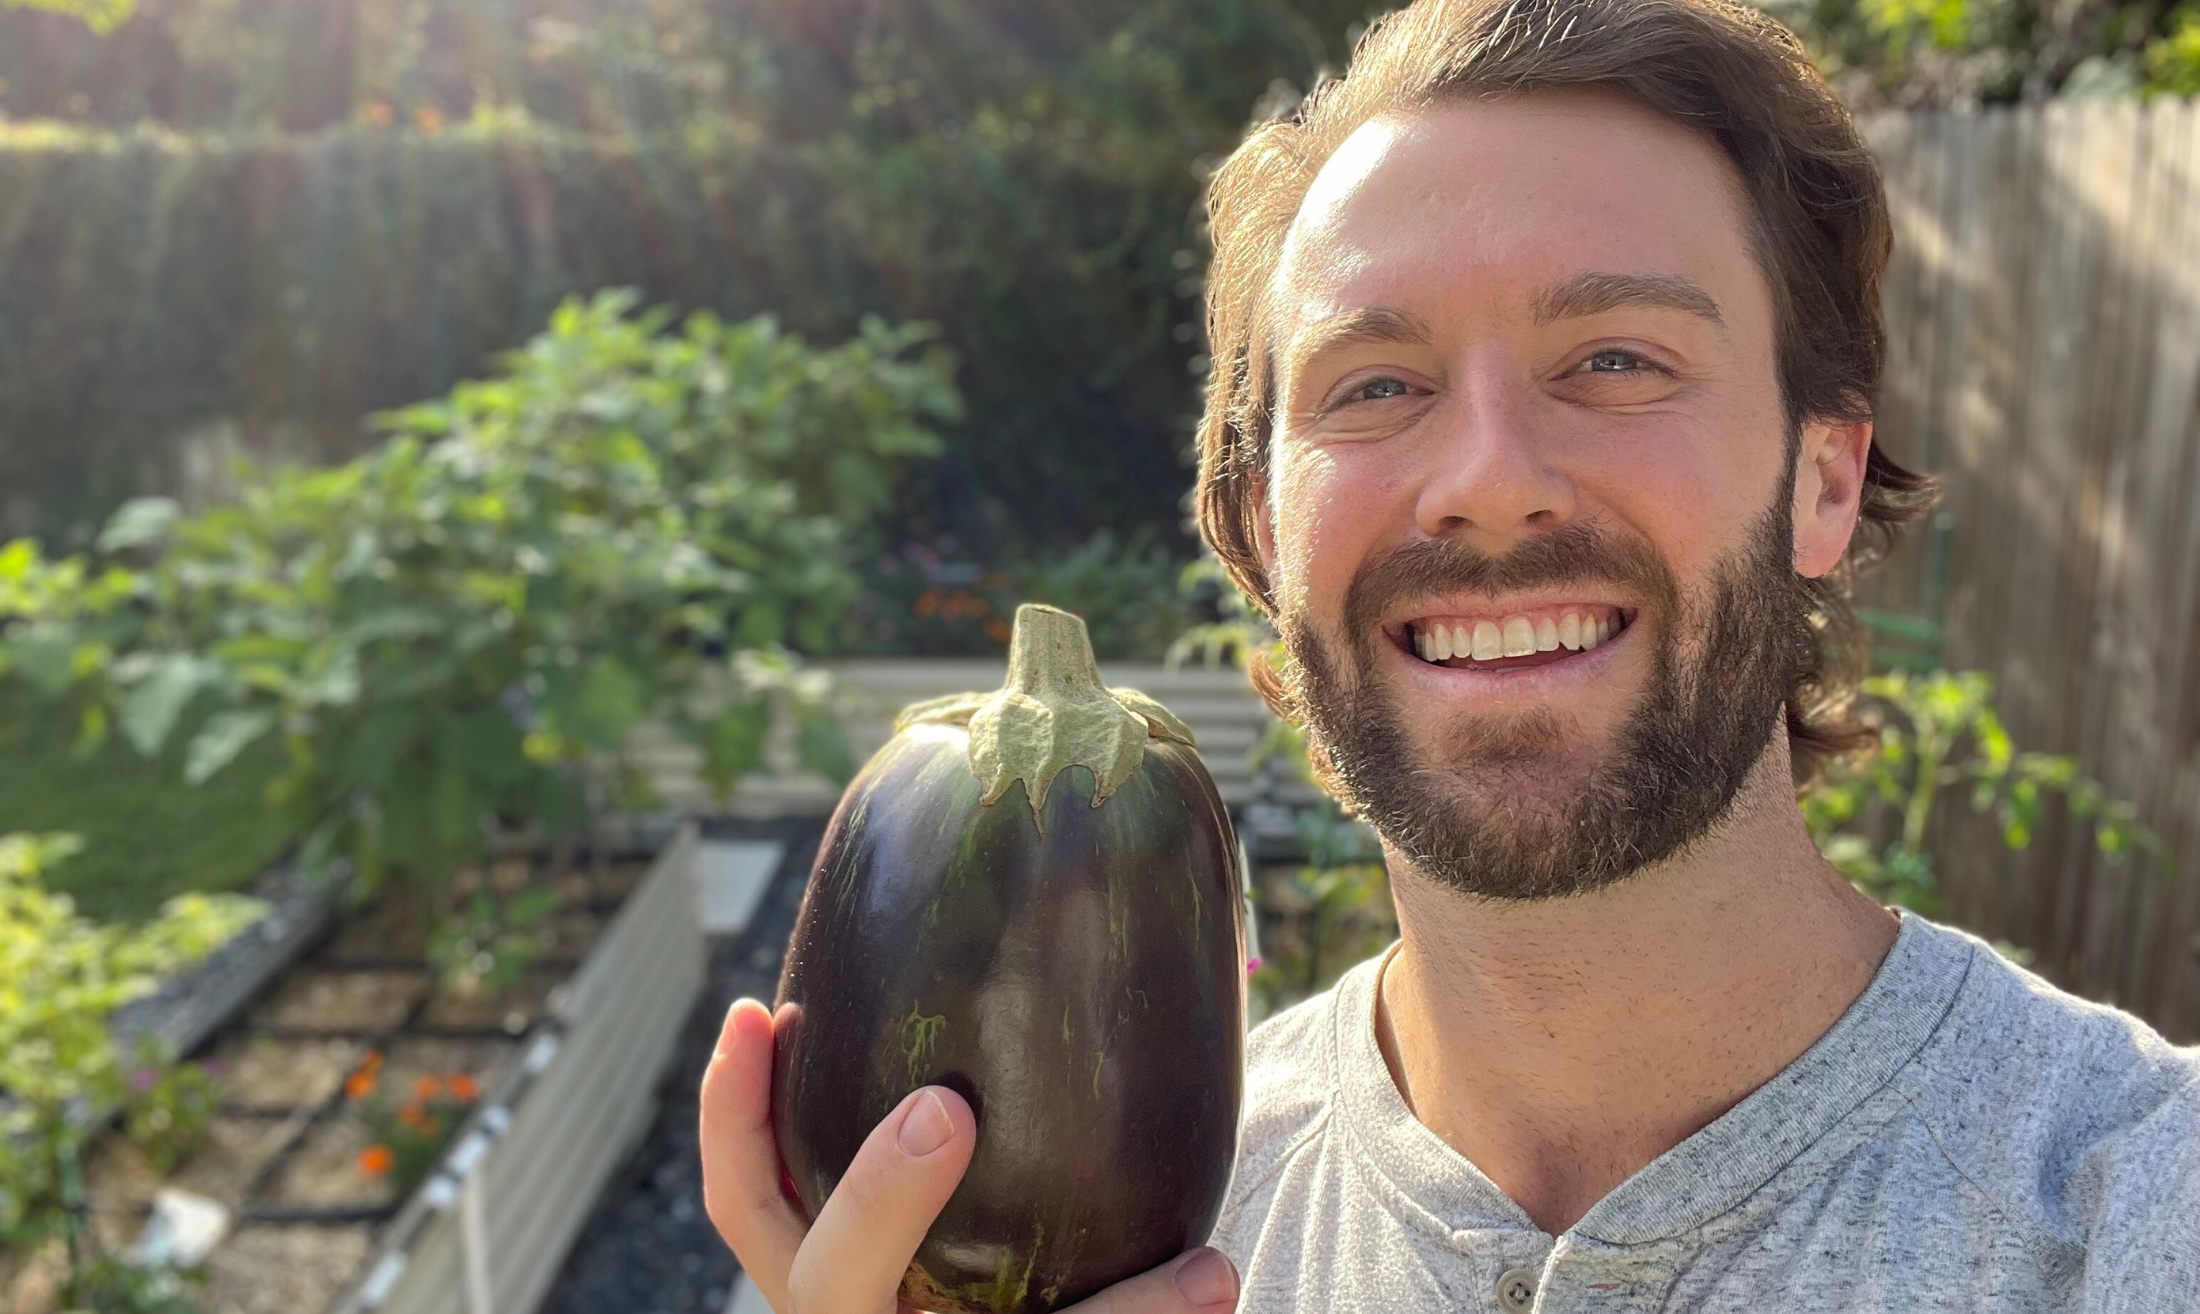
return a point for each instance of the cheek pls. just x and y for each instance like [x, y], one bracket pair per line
[1690, 489]
[1328, 516]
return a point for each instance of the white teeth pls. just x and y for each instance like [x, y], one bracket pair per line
[1515, 636]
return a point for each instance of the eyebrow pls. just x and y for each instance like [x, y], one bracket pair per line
[1595, 293]
[1352, 328]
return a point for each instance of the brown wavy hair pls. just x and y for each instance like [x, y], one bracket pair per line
[1819, 231]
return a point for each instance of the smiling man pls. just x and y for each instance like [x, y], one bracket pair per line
[1547, 342]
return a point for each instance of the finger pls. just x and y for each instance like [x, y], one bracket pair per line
[1203, 1280]
[864, 1237]
[740, 1160]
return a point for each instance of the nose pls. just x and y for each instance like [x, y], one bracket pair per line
[1488, 476]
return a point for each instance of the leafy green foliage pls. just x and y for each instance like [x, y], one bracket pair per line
[464, 624]
[922, 600]
[485, 951]
[1935, 53]
[61, 976]
[1323, 915]
[98, 15]
[148, 836]
[2171, 63]
[410, 187]
[1939, 731]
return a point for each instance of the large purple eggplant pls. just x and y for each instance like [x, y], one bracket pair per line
[1033, 898]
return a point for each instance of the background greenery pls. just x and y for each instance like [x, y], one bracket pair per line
[273, 218]
[454, 633]
[231, 227]
[274, 222]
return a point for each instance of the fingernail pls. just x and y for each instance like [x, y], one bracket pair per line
[1207, 1278]
[725, 1029]
[925, 1127]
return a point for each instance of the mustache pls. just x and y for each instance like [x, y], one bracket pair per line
[1576, 553]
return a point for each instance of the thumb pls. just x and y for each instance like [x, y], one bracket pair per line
[870, 1226]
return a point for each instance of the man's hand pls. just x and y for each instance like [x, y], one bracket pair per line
[851, 1260]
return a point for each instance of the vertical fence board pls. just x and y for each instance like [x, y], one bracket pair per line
[2043, 316]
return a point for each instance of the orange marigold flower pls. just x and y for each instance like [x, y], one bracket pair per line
[465, 1089]
[359, 1084]
[376, 1160]
[412, 1113]
[427, 1088]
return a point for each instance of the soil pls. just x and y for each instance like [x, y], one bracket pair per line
[259, 1071]
[282, 1269]
[649, 1248]
[358, 1002]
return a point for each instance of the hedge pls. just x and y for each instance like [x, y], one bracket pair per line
[267, 291]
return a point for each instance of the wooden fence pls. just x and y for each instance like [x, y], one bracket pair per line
[2044, 356]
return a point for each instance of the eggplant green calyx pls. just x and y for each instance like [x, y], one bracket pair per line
[1052, 714]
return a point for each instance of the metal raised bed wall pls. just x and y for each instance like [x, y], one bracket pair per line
[487, 1233]
[1225, 714]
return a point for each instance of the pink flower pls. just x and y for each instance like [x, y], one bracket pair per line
[1252, 965]
[143, 1080]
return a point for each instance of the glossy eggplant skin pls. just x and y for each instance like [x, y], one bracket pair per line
[1083, 987]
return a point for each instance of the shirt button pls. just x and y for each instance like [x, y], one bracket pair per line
[1516, 1290]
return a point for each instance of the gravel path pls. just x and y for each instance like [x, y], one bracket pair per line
[649, 1248]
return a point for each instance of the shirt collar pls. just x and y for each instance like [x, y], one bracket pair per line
[1705, 1175]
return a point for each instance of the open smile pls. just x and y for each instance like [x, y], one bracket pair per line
[1497, 643]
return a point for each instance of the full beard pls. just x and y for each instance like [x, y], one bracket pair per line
[1484, 819]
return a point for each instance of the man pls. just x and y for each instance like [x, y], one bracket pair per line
[1546, 344]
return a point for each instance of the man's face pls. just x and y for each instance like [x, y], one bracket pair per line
[1531, 505]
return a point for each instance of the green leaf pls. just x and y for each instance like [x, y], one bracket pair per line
[139, 522]
[611, 698]
[225, 735]
[150, 709]
[733, 743]
[46, 656]
[822, 746]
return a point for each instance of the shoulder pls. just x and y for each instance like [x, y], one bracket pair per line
[2071, 1116]
[1290, 1096]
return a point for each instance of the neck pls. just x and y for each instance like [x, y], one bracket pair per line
[1562, 1045]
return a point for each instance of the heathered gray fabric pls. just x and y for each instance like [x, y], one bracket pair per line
[1966, 1137]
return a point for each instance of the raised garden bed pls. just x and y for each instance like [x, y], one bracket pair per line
[559, 1071]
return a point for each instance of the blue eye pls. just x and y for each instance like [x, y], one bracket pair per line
[1612, 361]
[1380, 390]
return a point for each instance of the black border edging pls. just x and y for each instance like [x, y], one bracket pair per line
[190, 1007]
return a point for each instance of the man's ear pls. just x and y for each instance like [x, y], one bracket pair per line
[1829, 490]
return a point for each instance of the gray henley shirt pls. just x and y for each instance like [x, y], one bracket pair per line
[1966, 1137]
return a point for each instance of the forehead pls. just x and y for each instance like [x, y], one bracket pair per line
[1497, 198]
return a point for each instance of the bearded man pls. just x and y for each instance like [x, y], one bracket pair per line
[1546, 347]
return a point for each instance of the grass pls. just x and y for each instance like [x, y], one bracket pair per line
[147, 835]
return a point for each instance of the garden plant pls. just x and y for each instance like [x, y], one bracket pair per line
[453, 635]
[63, 1078]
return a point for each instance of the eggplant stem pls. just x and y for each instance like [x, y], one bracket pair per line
[1052, 714]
